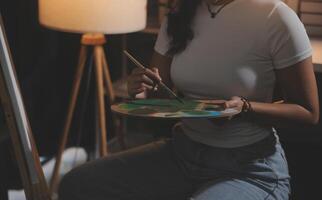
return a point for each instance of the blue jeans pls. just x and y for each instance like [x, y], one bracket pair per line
[182, 169]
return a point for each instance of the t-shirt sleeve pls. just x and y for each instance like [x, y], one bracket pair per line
[162, 43]
[287, 39]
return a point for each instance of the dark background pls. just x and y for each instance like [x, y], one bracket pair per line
[45, 61]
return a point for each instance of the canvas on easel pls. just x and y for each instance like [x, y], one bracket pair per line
[26, 153]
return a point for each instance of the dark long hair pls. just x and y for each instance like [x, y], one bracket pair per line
[179, 29]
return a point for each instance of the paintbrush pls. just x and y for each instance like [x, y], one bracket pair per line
[160, 83]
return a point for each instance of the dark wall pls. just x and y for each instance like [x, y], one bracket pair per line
[45, 61]
[303, 148]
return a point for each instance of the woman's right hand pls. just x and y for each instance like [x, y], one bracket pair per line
[142, 80]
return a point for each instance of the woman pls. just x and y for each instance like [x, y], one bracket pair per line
[236, 50]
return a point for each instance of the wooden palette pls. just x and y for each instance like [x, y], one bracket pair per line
[171, 108]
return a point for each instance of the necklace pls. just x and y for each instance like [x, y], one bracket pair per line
[213, 14]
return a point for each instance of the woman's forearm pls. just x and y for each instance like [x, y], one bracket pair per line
[284, 113]
[299, 90]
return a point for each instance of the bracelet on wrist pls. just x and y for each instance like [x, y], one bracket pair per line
[247, 107]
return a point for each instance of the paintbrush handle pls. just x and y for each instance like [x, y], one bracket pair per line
[170, 91]
[137, 63]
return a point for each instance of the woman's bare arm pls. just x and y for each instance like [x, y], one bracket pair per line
[299, 88]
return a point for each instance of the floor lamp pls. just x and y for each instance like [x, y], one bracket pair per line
[92, 19]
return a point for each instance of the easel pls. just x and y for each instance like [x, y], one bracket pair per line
[26, 153]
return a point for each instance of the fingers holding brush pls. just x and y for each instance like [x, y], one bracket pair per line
[156, 72]
[142, 80]
[153, 74]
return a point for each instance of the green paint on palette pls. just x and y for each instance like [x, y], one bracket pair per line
[157, 102]
[143, 111]
[129, 106]
[168, 103]
[168, 109]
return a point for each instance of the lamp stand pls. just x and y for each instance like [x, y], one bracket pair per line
[96, 41]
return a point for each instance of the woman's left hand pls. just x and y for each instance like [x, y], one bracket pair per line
[235, 102]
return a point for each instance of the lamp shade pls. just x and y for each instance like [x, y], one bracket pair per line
[94, 16]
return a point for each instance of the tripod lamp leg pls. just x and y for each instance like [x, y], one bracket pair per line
[100, 100]
[69, 117]
[107, 77]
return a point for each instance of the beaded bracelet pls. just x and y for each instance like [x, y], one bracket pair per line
[247, 107]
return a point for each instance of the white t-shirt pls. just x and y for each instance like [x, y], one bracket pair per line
[235, 54]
